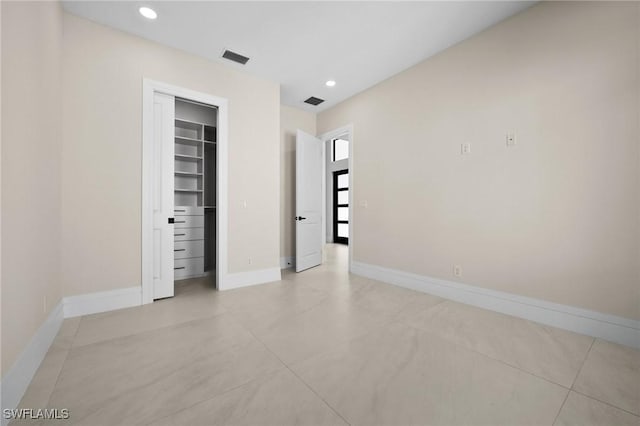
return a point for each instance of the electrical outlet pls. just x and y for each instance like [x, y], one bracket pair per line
[511, 139]
[250, 261]
[244, 204]
[457, 270]
[465, 148]
[364, 204]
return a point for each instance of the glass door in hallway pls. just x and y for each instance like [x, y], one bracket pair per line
[341, 207]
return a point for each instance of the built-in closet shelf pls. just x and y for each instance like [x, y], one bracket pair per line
[188, 174]
[193, 123]
[187, 157]
[188, 190]
[188, 122]
[189, 141]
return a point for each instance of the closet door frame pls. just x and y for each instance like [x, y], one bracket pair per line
[149, 88]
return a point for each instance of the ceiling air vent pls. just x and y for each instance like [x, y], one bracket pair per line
[314, 101]
[235, 57]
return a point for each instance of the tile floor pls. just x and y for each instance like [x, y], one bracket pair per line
[328, 348]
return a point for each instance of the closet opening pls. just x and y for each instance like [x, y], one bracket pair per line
[195, 181]
[184, 191]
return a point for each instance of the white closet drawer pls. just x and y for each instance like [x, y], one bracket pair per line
[188, 234]
[189, 222]
[187, 249]
[188, 211]
[185, 268]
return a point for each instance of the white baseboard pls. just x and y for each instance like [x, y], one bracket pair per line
[93, 303]
[17, 379]
[287, 262]
[244, 279]
[608, 327]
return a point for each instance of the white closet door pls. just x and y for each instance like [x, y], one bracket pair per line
[163, 165]
[308, 201]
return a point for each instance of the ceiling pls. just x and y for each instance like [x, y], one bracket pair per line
[303, 44]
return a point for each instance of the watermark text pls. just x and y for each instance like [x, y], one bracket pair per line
[35, 413]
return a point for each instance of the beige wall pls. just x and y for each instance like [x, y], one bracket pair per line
[31, 146]
[101, 180]
[291, 119]
[555, 217]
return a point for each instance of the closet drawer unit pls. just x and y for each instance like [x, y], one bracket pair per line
[188, 234]
[189, 222]
[187, 249]
[186, 268]
[188, 211]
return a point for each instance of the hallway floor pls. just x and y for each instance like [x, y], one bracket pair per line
[327, 347]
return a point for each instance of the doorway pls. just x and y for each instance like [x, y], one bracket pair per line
[339, 204]
[316, 160]
[160, 181]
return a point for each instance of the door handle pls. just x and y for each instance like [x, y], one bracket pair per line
[300, 218]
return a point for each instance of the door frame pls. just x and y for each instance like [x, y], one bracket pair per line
[149, 87]
[324, 137]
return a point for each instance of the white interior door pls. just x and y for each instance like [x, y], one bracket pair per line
[308, 201]
[163, 164]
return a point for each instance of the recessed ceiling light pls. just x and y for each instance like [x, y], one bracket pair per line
[148, 13]
[330, 83]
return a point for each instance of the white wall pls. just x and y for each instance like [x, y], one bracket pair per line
[291, 119]
[101, 179]
[557, 217]
[31, 147]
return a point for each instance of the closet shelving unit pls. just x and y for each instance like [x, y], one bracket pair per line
[194, 189]
[192, 157]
